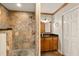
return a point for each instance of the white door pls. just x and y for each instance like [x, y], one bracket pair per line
[75, 32]
[2, 44]
[67, 34]
[71, 33]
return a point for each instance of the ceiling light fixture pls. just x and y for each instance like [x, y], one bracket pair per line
[45, 19]
[18, 4]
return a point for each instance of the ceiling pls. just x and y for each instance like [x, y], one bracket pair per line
[50, 7]
[30, 7]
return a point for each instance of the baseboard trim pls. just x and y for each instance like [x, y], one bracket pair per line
[61, 52]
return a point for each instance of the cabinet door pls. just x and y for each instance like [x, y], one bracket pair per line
[55, 43]
[51, 43]
[46, 44]
[42, 44]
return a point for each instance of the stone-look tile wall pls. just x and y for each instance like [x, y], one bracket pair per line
[23, 25]
[3, 17]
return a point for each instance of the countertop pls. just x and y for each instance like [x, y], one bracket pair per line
[47, 34]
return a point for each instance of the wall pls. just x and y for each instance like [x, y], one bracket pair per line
[24, 31]
[57, 23]
[47, 27]
[3, 17]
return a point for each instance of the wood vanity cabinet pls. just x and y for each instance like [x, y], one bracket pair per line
[49, 43]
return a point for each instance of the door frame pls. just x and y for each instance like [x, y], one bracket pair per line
[37, 18]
